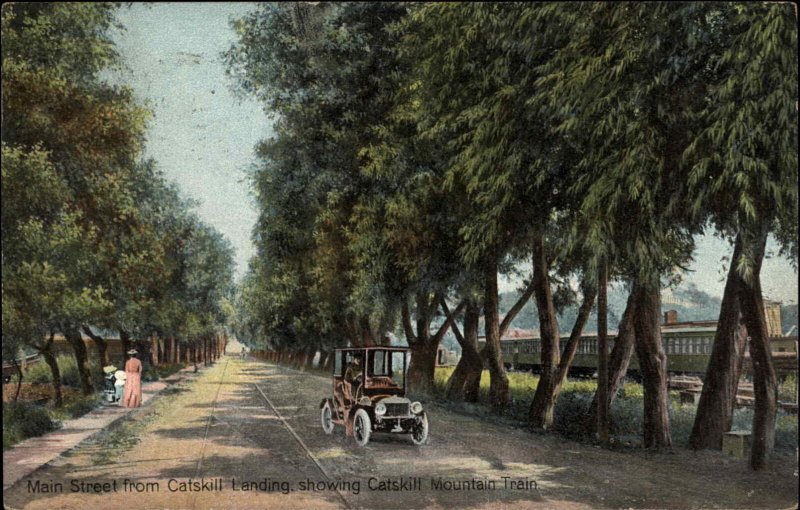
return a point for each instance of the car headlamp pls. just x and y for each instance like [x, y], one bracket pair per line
[416, 408]
[380, 409]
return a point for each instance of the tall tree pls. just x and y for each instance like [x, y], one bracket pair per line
[53, 99]
[744, 179]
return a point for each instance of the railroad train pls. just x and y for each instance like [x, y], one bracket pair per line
[686, 344]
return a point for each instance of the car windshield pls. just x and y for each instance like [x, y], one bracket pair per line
[388, 364]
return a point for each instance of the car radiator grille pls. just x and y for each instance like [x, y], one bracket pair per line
[397, 409]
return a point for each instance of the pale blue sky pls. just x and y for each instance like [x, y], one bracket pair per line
[203, 137]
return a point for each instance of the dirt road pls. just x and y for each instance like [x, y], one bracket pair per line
[215, 443]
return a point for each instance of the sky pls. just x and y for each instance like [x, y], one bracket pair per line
[203, 137]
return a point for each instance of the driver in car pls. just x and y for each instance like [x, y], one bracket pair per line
[353, 376]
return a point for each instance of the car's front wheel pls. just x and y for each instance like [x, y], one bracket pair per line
[362, 427]
[419, 432]
[326, 417]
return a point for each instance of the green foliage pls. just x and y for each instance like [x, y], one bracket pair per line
[744, 158]
[40, 373]
[77, 406]
[91, 234]
[328, 72]
[576, 397]
[22, 420]
[162, 371]
[787, 391]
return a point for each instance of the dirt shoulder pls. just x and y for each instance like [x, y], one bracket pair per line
[217, 430]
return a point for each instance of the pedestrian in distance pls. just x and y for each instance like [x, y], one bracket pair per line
[132, 396]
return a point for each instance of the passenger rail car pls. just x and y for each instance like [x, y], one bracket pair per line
[688, 350]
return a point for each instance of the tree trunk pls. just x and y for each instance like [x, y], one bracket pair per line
[571, 348]
[422, 368]
[718, 399]
[516, 308]
[422, 364]
[74, 338]
[20, 376]
[464, 383]
[125, 338]
[367, 336]
[541, 411]
[154, 350]
[602, 355]
[50, 359]
[618, 361]
[498, 380]
[423, 345]
[101, 344]
[765, 384]
[652, 363]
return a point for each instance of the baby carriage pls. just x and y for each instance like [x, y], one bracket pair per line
[109, 391]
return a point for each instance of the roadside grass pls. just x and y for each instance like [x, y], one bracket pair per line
[573, 405]
[109, 445]
[162, 371]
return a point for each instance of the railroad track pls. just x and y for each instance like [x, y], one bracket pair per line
[301, 443]
[208, 425]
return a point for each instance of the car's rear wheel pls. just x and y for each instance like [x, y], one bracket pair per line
[362, 427]
[419, 432]
[326, 417]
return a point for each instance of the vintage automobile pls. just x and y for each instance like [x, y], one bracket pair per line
[369, 388]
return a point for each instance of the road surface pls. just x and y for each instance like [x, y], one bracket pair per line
[215, 442]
